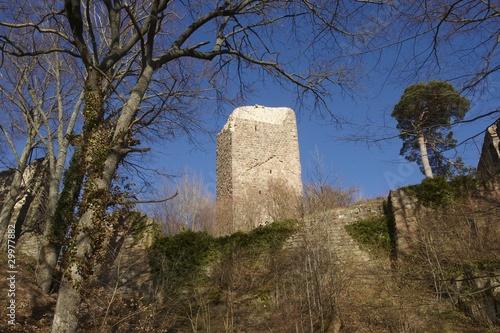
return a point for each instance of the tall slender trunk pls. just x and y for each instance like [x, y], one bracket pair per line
[60, 220]
[60, 209]
[423, 155]
[91, 231]
[47, 258]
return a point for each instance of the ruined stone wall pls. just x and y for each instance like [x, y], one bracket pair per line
[464, 233]
[406, 213]
[126, 270]
[257, 146]
[29, 210]
[329, 229]
[489, 162]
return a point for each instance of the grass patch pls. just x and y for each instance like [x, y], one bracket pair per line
[372, 234]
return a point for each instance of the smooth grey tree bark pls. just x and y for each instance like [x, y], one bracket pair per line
[49, 250]
[423, 155]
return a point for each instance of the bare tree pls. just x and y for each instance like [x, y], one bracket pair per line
[66, 106]
[455, 41]
[436, 32]
[323, 190]
[146, 62]
[41, 101]
[192, 209]
[36, 96]
[25, 119]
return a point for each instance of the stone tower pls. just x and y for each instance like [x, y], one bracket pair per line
[257, 147]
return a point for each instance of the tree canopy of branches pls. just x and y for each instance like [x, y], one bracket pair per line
[456, 41]
[150, 69]
[424, 114]
[147, 68]
[40, 108]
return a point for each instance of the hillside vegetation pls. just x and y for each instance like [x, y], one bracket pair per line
[293, 276]
[267, 281]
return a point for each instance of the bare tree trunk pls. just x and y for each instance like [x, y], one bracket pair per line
[50, 247]
[46, 264]
[92, 231]
[49, 252]
[59, 221]
[90, 235]
[423, 155]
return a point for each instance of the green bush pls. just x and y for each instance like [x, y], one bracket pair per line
[182, 259]
[372, 234]
[260, 240]
[438, 192]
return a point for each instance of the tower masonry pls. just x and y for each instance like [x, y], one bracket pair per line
[256, 149]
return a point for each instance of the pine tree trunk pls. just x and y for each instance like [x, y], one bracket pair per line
[423, 155]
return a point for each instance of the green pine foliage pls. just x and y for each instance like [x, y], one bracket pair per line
[428, 110]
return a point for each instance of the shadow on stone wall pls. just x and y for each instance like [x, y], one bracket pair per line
[29, 210]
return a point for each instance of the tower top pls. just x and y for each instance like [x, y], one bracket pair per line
[270, 115]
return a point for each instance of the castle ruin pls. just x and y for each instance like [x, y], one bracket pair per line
[489, 162]
[257, 151]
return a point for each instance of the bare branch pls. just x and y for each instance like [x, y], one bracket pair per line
[149, 201]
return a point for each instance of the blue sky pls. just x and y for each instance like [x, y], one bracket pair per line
[373, 169]
[381, 78]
